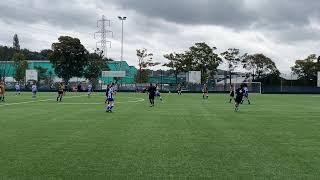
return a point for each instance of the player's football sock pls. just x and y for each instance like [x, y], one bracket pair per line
[249, 102]
[57, 99]
[60, 99]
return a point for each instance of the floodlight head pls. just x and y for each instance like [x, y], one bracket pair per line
[122, 18]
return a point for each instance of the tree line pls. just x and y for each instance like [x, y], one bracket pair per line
[202, 57]
[71, 59]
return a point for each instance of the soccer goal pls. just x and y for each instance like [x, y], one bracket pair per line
[253, 87]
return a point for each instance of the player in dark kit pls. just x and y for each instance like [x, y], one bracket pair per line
[60, 92]
[2, 91]
[231, 94]
[239, 96]
[205, 92]
[179, 89]
[152, 93]
[107, 91]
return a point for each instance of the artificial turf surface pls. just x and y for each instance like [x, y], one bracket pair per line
[185, 137]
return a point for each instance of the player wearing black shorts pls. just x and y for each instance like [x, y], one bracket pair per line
[60, 92]
[205, 92]
[179, 89]
[152, 93]
[231, 94]
[2, 91]
[239, 96]
[107, 91]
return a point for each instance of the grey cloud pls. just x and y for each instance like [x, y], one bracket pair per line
[239, 13]
[67, 14]
[280, 16]
[226, 12]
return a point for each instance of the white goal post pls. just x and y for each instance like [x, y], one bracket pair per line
[318, 84]
[253, 87]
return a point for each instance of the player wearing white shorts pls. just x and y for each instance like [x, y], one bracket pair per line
[110, 98]
[18, 91]
[34, 90]
[246, 94]
[158, 94]
[89, 90]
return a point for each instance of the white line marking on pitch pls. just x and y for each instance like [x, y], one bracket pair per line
[43, 100]
[46, 100]
[138, 100]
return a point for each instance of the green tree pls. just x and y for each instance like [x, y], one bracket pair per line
[203, 59]
[95, 66]
[200, 57]
[233, 59]
[69, 58]
[260, 65]
[16, 44]
[20, 66]
[307, 69]
[175, 63]
[145, 60]
[45, 53]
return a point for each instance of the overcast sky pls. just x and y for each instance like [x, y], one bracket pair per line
[284, 30]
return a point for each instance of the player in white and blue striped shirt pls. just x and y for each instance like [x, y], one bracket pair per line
[89, 90]
[34, 90]
[110, 97]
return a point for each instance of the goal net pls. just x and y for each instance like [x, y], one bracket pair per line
[253, 87]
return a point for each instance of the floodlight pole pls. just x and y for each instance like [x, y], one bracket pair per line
[121, 18]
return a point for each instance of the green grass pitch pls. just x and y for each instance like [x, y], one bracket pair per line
[185, 137]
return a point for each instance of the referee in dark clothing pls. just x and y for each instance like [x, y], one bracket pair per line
[152, 93]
